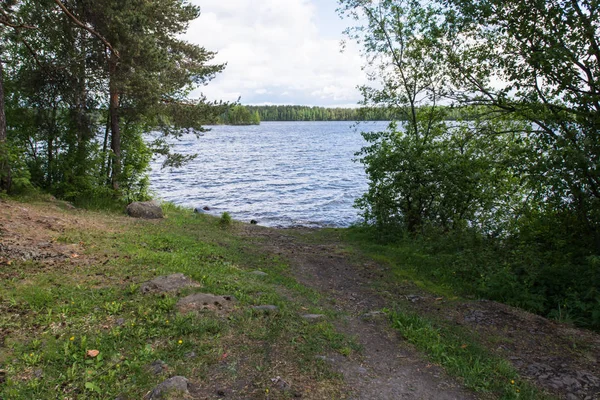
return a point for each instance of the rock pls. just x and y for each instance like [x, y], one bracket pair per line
[361, 370]
[120, 322]
[280, 384]
[169, 283]
[371, 315]
[145, 209]
[413, 298]
[206, 208]
[157, 367]
[174, 385]
[266, 309]
[190, 355]
[198, 210]
[313, 317]
[253, 222]
[259, 273]
[205, 302]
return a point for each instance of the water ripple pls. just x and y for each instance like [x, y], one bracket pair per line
[279, 173]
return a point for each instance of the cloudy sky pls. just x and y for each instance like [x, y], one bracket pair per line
[279, 52]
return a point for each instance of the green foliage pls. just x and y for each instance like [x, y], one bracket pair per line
[61, 82]
[518, 169]
[225, 220]
[461, 357]
[557, 283]
[307, 113]
[240, 115]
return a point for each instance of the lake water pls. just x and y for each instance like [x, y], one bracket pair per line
[278, 173]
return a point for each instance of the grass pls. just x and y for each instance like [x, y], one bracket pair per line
[52, 317]
[460, 351]
[461, 355]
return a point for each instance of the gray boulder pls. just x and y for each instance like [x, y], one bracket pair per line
[200, 302]
[168, 284]
[175, 385]
[145, 209]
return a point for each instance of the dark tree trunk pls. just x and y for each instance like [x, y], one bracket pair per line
[105, 171]
[2, 112]
[50, 150]
[115, 143]
[83, 121]
[5, 176]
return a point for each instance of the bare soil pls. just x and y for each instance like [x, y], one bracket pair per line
[559, 359]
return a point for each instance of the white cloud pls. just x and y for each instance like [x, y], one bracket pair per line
[276, 52]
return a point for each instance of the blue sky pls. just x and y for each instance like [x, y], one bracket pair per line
[279, 52]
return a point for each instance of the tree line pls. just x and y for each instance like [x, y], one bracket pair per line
[308, 113]
[82, 82]
[238, 115]
[364, 113]
[519, 179]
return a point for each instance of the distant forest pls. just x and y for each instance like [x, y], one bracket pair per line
[308, 113]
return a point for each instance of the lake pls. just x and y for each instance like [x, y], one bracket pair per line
[279, 173]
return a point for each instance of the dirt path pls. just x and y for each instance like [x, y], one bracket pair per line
[388, 368]
[559, 359]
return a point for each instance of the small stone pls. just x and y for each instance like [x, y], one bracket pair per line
[157, 367]
[266, 309]
[413, 298]
[190, 355]
[259, 273]
[313, 317]
[280, 384]
[176, 384]
[373, 315]
[120, 322]
[221, 393]
[166, 284]
[38, 373]
[253, 222]
[205, 302]
[206, 208]
[361, 370]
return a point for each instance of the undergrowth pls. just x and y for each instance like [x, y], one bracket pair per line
[553, 282]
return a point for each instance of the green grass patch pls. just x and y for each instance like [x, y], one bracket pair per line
[463, 357]
[51, 317]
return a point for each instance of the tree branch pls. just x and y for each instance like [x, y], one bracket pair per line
[87, 28]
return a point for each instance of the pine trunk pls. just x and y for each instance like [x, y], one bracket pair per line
[115, 143]
[5, 176]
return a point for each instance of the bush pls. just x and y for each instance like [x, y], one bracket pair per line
[225, 220]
